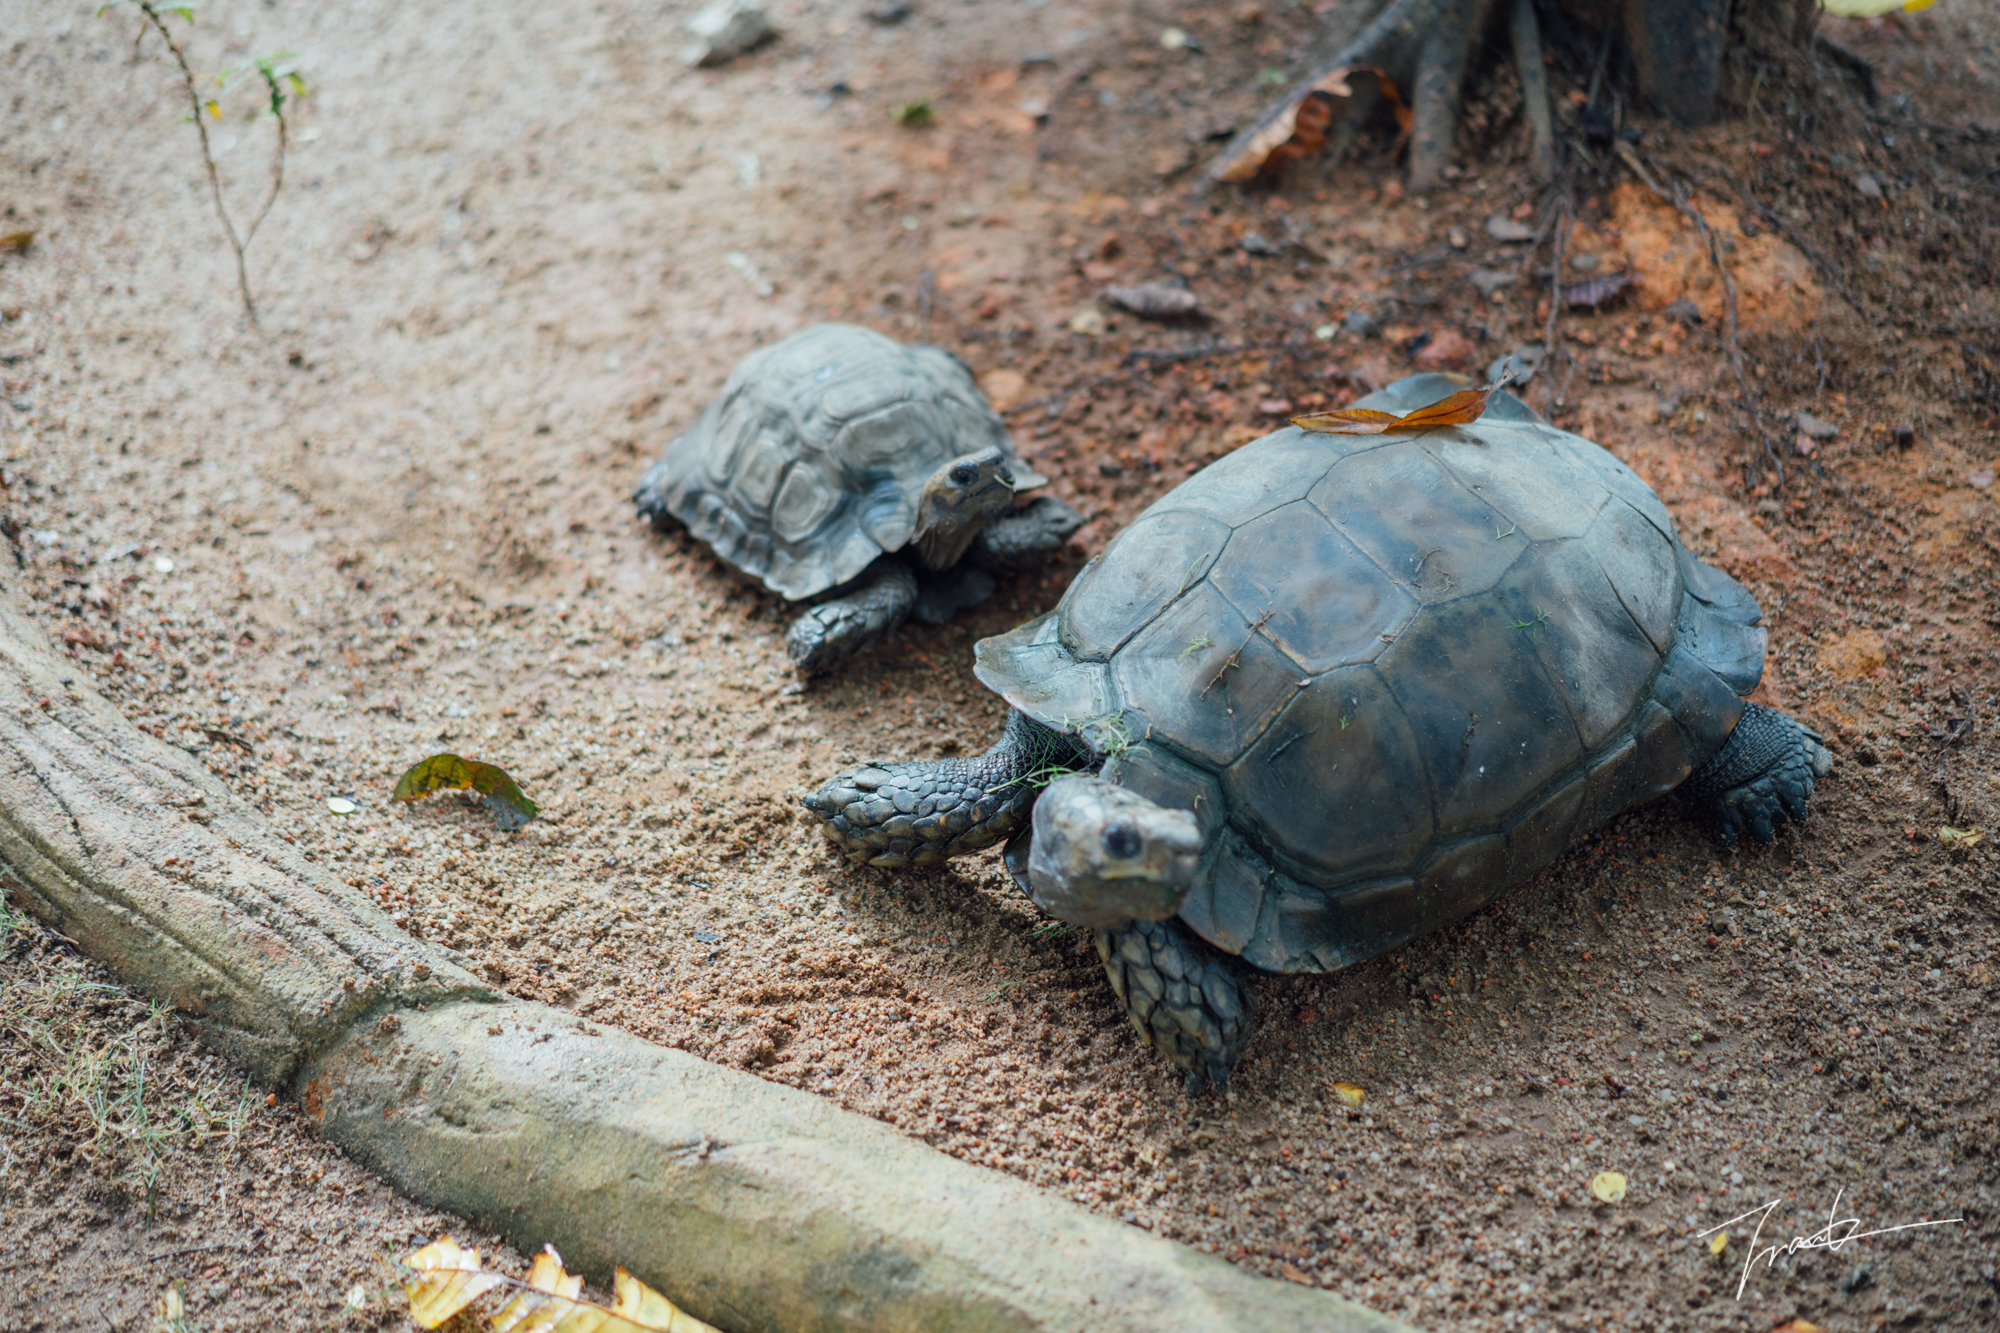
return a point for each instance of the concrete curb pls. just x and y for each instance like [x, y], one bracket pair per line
[755, 1206]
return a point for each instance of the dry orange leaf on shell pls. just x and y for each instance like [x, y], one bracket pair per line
[449, 1279]
[1458, 409]
[1299, 129]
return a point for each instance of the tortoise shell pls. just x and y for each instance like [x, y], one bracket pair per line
[1390, 674]
[809, 463]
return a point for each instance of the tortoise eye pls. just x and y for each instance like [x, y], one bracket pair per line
[1121, 841]
[965, 474]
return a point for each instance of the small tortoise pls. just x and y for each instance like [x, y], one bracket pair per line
[1337, 691]
[830, 452]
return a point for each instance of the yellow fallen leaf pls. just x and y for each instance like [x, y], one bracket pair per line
[1797, 1325]
[1350, 1093]
[17, 240]
[1719, 1244]
[448, 1279]
[636, 1301]
[1960, 837]
[441, 772]
[548, 1275]
[1608, 1186]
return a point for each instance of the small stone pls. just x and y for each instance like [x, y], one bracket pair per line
[725, 29]
[1817, 427]
[1518, 366]
[1174, 39]
[163, 564]
[1980, 477]
[1447, 348]
[1489, 281]
[340, 805]
[1255, 243]
[1683, 310]
[1503, 228]
[1868, 186]
[1155, 300]
[1088, 321]
[1457, 239]
[1325, 332]
[1359, 324]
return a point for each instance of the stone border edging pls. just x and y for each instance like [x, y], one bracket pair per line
[756, 1206]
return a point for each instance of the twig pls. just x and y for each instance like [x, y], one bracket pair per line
[1561, 212]
[238, 244]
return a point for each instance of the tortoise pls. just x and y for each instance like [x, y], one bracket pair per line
[1335, 691]
[839, 461]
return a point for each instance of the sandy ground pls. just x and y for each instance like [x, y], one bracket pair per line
[499, 279]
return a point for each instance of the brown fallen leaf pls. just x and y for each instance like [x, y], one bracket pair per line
[1458, 409]
[17, 240]
[1292, 1274]
[1155, 300]
[1299, 130]
[1797, 1325]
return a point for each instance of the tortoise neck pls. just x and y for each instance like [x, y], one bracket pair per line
[941, 541]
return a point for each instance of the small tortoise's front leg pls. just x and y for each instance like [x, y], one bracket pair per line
[1763, 775]
[920, 811]
[835, 630]
[1026, 537]
[1188, 1004]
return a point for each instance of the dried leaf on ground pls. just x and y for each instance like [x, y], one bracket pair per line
[1608, 1186]
[1458, 409]
[17, 240]
[1960, 837]
[1299, 130]
[1350, 1093]
[1719, 1244]
[1155, 300]
[442, 772]
[1795, 1324]
[448, 1279]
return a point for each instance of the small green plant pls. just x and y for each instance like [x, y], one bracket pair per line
[1187, 575]
[1050, 929]
[1195, 645]
[999, 991]
[916, 115]
[276, 73]
[1498, 535]
[1540, 622]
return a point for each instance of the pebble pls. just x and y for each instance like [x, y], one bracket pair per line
[724, 30]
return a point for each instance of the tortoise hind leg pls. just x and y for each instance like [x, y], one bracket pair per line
[1763, 776]
[1188, 1004]
[836, 630]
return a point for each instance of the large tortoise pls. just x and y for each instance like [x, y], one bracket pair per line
[838, 460]
[1337, 691]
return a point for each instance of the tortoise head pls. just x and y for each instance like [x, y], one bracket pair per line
[1104, 855]
[957, 501]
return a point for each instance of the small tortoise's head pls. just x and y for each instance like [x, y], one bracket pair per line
[957, 501]
[1104, 855]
